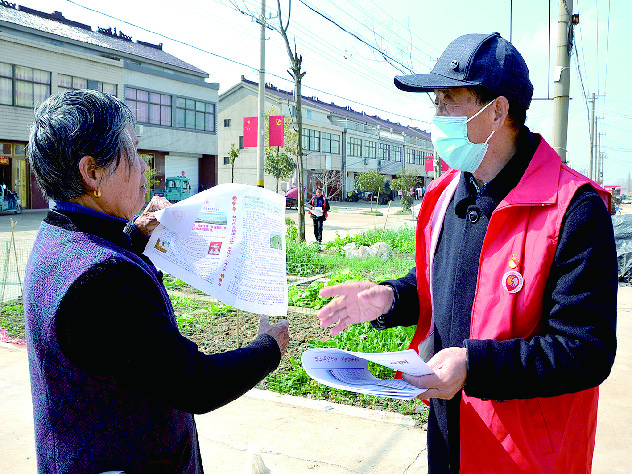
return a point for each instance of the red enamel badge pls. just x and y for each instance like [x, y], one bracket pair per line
[513, 281]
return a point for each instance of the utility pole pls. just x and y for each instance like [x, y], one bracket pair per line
[600, 154]
[563, 79]
[262, 96]
[592, 135]
[437, 164]
[596, 150]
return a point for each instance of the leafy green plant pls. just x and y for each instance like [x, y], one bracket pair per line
[401, 240]
[372, 181]
[291, 230]
[219, 309]
[172, 283]
[302, 258]
[12, 319]
[405, 181]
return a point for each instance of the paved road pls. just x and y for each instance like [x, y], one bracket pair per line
[15, 248]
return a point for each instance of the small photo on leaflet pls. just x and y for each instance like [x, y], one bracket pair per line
[162, 245]
[275, 241]
[214, 248]
[214, 217]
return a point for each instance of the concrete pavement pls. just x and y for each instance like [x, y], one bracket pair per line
[299, 435]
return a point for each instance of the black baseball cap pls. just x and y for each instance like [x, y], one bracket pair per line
[489, 61]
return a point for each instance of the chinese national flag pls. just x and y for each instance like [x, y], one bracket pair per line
[276, 130]
[430, 164]
[251, 130]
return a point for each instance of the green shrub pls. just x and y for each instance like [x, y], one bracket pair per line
[401, 240]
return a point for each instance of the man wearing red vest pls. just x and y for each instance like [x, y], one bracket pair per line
[515, 284]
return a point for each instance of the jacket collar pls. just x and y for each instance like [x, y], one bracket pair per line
[539, 184]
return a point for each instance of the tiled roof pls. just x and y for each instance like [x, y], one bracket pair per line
[56, 24]
[346, 112]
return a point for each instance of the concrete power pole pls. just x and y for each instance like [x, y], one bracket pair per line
[592, 136]
[596, 150]
[601, 157]
[262, 96]
[563, 78]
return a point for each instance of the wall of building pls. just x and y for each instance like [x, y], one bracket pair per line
[241, 101]
[234, 107]
[22, 49]
[174, 149]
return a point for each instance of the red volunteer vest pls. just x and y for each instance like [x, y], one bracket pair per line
[548, 435]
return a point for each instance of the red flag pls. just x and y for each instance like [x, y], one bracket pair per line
[429, 163]
[276, 130]
[251, 130]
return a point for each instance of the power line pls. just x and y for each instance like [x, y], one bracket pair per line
[381, 52]
[255, 69]
[597, 30]
[605, 86]
[159, 34]
[371, 17]
[370, 77]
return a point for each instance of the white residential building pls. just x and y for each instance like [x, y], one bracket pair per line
[44, 53]
[335, 139]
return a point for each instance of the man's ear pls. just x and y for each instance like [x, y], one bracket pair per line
[90, 173]
[500, 112]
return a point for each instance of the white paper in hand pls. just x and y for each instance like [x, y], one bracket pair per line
[347, 370]
[228, 241]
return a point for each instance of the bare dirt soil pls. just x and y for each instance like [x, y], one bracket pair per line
[224, 333]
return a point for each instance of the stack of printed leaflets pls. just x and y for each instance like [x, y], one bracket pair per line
[347, 370]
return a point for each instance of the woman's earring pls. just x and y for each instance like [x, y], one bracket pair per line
[97, 193]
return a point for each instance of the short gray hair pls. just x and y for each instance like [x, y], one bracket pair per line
[69, 126]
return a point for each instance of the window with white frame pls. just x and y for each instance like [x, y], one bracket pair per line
[354, 147]
[421, 157]
[331, 143]
[149, 107]
[410, 156]
[370, 149]
[384, 151]
[396, 153]
[23, 86]
[196, 114]
[6, 84]
[311, 139]
[67, 82]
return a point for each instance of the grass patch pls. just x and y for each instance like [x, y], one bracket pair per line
[360, 338]
[209, 323]
[12, 318]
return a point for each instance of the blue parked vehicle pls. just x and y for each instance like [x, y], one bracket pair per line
[9, 201]
[177, 189]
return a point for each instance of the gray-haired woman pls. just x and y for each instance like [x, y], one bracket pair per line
[114, 383]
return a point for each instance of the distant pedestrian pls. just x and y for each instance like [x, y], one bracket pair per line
[320, 206]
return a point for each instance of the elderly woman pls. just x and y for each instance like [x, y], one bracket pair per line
[114, 383]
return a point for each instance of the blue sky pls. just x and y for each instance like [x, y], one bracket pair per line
[342, 69]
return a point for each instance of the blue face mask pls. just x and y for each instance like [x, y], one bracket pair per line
[449, 137]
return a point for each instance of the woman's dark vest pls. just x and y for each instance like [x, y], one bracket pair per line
[86, 422]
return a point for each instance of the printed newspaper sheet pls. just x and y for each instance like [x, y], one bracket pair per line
[228, 241]
[349, 370]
